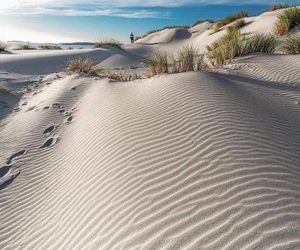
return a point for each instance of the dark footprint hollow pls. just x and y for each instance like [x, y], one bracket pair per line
[4, 170]
[49, 143]
[18, 154]
[70, 119]
[49, 130]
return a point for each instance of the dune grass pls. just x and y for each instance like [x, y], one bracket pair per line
[229, 19]
[234, 44]
[25, 46]
[3, 47]
[203, 21]
[187, 59]
[237, 25]
[110, 42]
[50, 46]
[4, 90]
[291, 45]
[166, 27]
[81, 66]
[278, 7]
[158, 63]
[289, 19]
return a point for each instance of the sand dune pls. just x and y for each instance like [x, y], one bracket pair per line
[199, 160]
[196, 160]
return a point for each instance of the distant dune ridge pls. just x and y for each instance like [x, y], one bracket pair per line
[196, 160]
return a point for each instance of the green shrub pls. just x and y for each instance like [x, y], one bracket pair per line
[291, 45]
[110, 42]
[3, 47]
[289, 19]
[81, 66]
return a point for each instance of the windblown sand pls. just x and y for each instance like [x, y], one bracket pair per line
[202, 160]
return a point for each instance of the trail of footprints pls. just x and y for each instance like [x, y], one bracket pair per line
[9, 172]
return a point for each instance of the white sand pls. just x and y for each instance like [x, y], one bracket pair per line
[201, 160]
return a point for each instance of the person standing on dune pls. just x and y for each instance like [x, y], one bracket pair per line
[132, 37]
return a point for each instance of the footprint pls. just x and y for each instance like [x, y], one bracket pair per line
[25, 103]
[57, 105]
[49, 129]
[31, 108]
[61, 111]
[67, 113]
[49, 143]
[15, 155]
[47, 107]
[70, 119]
[7, 175]
[16, 110]
[74, 88]
[4, 170]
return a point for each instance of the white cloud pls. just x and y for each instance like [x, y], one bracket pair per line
[119, 8]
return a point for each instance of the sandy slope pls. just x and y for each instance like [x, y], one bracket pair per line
[194, 160]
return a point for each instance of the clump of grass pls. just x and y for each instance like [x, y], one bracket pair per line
[158, 63]
[203, 21]
[291, 45]
[278, 7]
[120, 76]
[81, 66]
[186, 59]
[289, 19]
[49, 46]
[265, 43]
[225, 48]
[111, 42]
[4, 90]
[229, 19]
[189, 59]
[3, 47]
[166, 27]
[25, 46]
[234, 44]
[238, 24]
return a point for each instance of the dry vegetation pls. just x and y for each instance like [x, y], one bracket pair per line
[289, 19]
[187, 59]
[3, 47]
[25, 46]
[291, 45]
[110, 42]
[81, 66]
[4, 90]
[278, 7]
[166, 27]
[50, 46]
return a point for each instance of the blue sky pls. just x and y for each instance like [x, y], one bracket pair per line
[88, 20]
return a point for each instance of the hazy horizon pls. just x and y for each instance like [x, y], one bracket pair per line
[78, 21]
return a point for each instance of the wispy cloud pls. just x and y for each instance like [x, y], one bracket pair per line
[119, 8]
[80, 11]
